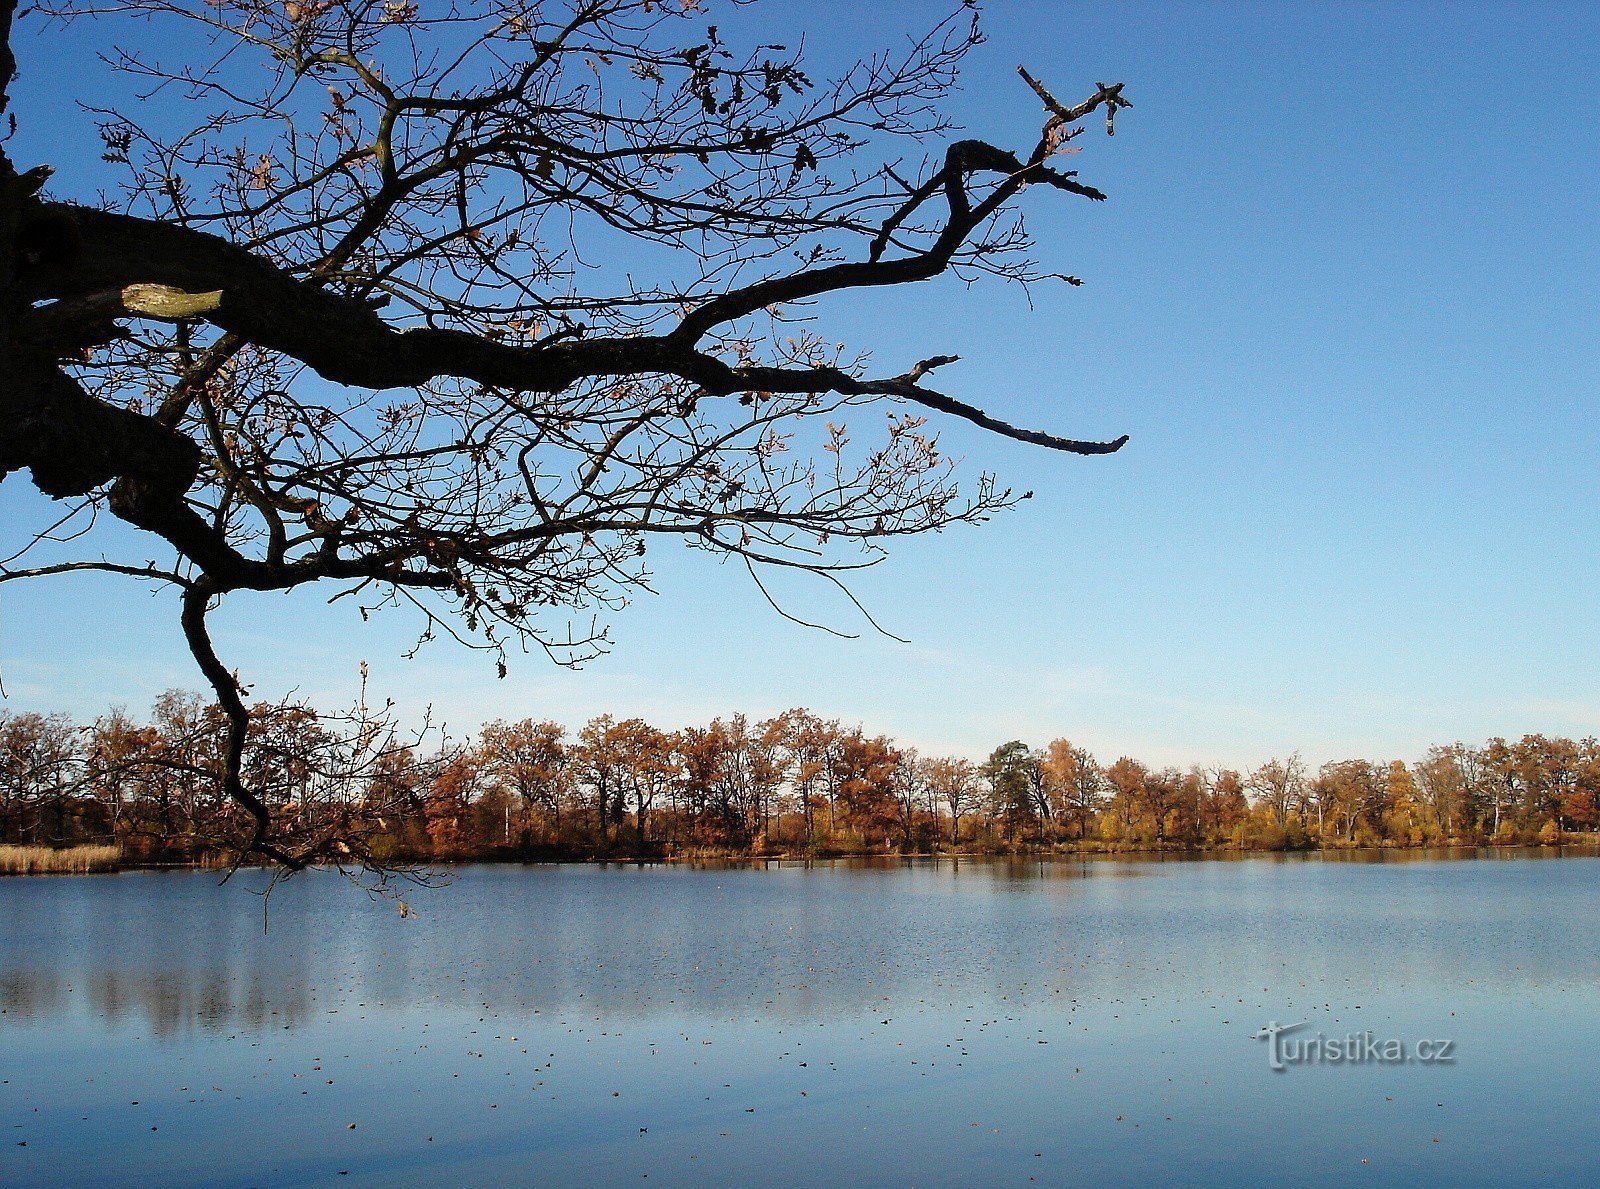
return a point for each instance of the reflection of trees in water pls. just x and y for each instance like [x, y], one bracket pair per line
[170, 1003]
[26, 994]
[180, 956]
[180, 1002]
[183, 957]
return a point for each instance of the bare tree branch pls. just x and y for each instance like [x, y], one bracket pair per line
[462, 308]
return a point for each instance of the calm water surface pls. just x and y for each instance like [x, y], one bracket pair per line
[909, 1024]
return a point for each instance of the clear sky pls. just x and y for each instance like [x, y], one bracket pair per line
[1344, 298]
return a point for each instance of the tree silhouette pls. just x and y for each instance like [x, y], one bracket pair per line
[464, 306]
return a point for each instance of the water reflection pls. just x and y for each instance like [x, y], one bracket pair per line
[886, 1022]
[176, 954]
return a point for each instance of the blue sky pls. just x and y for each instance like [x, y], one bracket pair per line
[1344, 298]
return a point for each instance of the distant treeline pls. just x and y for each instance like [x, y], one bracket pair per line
[795, 784]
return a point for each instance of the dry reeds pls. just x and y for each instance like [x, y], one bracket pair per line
[50, 860]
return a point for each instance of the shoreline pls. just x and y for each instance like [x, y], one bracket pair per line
[1573, 846]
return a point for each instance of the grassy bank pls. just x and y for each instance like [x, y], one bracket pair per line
[51, 860]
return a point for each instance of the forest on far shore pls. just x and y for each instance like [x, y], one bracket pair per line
[795, 784]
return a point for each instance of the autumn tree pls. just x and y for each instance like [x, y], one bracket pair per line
[650, 768]
[754, 767]
[1165, 803]
[1125, 779]
[1224, 805]
[1346, 794]
[864, 773]
[791, 782]
[700, 752]
[463, 308]
[911, 796]
[1074, 784]
[1280, 785]
[1549, 770]
[115, 751]
[771, 765]
[956, 783]
[529, 759]
[1401, 807]
[39, 769]
[808, 742]
[1580, 807]
[399, 781]
[183, 769]
[599, 765]
[1504, 780]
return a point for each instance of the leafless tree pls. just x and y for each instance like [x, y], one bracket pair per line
[461, 305]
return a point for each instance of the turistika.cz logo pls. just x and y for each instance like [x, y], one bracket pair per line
[1284, 1048]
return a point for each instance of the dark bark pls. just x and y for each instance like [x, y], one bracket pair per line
[74, 278]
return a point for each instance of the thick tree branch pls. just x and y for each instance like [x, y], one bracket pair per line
[226, 688]
[163, 271]
[155, 364]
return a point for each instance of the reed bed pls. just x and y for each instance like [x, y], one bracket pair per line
[50, 860]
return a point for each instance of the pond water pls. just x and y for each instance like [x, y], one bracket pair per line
[910, 1023]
